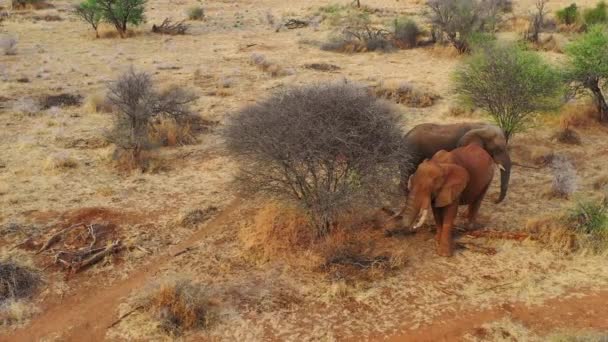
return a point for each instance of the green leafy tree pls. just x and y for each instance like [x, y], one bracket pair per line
[588, 66]
[120, 13]
[509, 83]
[596, 15]
[89, 12]
[568, 15]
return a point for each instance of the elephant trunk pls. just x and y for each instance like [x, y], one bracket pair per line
[412, 213]
[505, 173]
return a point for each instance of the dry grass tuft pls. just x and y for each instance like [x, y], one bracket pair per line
[262, 63]
[61, 161]
[406, 94]
[444, 51]
[194, 217]
[178, 306]
[170, 132]
[567, 136]
[600, 182]
[60, 100]
[17, 280]
[461, 112]
[553, 233]
[97, 103]
[578, 116]
[354, 249]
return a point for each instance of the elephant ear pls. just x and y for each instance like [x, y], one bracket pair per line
[474, 136]
[456, 179]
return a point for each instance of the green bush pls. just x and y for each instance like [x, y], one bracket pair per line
[89, 12]
[568, 15]
[591, 221]
[588, 66]
[196, 13]
[509, 83]
[596, 15]
[406, 32]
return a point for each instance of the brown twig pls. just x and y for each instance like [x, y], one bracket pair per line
[26, 241]
[185, 250]
[91, 229]
[125, 316]
[56, 237]
[114, 247]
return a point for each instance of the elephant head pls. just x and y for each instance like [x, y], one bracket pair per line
[433, 184]
[493, 140]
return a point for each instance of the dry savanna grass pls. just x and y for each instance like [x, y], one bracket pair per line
[355, 248]
[578, 116]
[405, 93]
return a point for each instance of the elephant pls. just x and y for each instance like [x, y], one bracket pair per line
[424, 140]
[449, 179]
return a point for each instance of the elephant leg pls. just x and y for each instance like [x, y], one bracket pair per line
[474, 210]
[438, 222]
[445, 240]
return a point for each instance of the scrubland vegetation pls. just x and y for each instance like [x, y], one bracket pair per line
[238, 177]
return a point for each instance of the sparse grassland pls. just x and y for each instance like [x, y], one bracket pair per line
[197, 258]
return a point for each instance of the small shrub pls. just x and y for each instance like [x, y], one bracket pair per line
[121, 13]
[97, 103]
[60, 161]
[406, 33]
[567, 136]
[138, 107]
[578, 116]
[565, 180]
[405, 93]
[179, 306]
[8, 46]
[360, 39]
[596, 15]
[196, 13]
[264, 64]
[591, 220]
[89, 12]
[510, 84]
[60, 100]
[194, 217]
[321, 146]
[457, 21]
[553, 232]
[568, 15]
[16, 280]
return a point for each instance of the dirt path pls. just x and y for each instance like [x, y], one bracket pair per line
[588, 312]
[83, 317]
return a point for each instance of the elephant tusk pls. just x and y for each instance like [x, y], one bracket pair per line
[501, 167]
[422, 219]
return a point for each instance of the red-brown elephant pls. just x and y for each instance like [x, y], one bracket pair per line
[441, 184]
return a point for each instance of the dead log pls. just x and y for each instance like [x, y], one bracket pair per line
[167, 27]
[56, 237]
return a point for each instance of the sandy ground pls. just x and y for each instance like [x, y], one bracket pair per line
[260, 301]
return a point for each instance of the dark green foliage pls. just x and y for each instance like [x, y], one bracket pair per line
[588, 65]
[568, 15]
[591, 221]
[405, 32]
[89, 12]
[510, 84]
[596, 15]
[120, 13]
[196, 13]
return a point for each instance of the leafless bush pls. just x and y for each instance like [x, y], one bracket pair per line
[360, 39]
[458, 21]
[16, 281]
[8, 46]
[537, 21]
[324, 146]
[138, 106]
[565, 180]
[406, 94]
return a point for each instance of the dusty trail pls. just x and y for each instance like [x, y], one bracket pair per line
[588, 312]
[86, 318]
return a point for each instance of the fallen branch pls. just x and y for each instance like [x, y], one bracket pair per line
[56, 237]
[496, 234]
[477, 248]
[169, 28]
[24, 242]
[185, 250]
[125, 316]
[526, 166]
[114, 247]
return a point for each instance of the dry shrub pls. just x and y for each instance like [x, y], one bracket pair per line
[61, 161]
[406, 94]
[360, 39]
[565, 180]
[579, 116]
[16, 312]
[97, 103]
[30, 4]
[461, 112]
[353, 249]
[600, 182]
[16, 280]
[193, 218]
[553, 232]
[8, 46]
[322, 66]
[178, 305]
[268, 66]
[567, 136]
[170, 132]
[60, 100]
